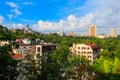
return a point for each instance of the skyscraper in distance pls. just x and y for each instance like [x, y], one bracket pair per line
[92, 30]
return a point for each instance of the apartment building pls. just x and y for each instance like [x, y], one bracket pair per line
[92, 30]
[88, 51]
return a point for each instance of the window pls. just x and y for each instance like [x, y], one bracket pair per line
[90, 56]
[90, 52]
[78, 47]
[88, 48]
[78, 51]
[75, 51]
[38, 49]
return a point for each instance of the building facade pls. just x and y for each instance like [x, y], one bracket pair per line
[44, 49]
[41, 49]
[113, 32]
[92, 30]
[88, 51]
[2, 42]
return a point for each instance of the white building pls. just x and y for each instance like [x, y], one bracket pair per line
[88, 51]
[61, 33]
[113, 32]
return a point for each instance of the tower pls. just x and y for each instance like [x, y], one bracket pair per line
[92, 30]
[113, 32]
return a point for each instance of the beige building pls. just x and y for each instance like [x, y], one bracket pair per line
[89, 51]
[92, 30]
[2, 43]
[113, 32]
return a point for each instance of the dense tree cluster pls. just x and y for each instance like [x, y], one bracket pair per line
[62, 65]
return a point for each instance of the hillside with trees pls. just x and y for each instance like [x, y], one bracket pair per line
[64, 66]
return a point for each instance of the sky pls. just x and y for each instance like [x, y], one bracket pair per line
[49, 16]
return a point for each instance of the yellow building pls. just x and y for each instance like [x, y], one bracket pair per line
[92, 30]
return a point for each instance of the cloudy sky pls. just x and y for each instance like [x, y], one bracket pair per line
[61, 15]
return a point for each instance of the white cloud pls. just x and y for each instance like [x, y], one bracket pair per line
[10, 16]
[71, 18]
[1, 19]
[16, 11]
[71, 24]
[104, 13]
[12, 4]
[107, 14]
[87, 19]
[17, 25]
[28, 3]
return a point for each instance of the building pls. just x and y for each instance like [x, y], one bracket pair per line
[113, 32]
[88, 51]
[2, 42]
[61, 33]
[26, 29]
[42, 48]
[102, 36]
[92, 30]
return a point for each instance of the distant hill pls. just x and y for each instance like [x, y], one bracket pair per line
[4, 33]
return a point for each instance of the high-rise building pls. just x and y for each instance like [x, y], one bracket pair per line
[113, 32]
[92, 30]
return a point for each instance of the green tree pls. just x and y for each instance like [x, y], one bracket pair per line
[79, 69]
[30, 68]
[8, 66]
[116, 68]
[117, 53]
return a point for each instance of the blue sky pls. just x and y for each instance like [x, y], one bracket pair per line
[61, 15]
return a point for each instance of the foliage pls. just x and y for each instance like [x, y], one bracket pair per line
[106, 67]
[7, 64]
[30, 68]
[79, 69]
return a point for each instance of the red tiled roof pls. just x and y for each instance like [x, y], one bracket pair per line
[22, 44]
[93, 46]
[17, 56]
[19, 41]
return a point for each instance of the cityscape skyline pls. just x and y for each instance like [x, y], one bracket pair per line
[56, 15]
